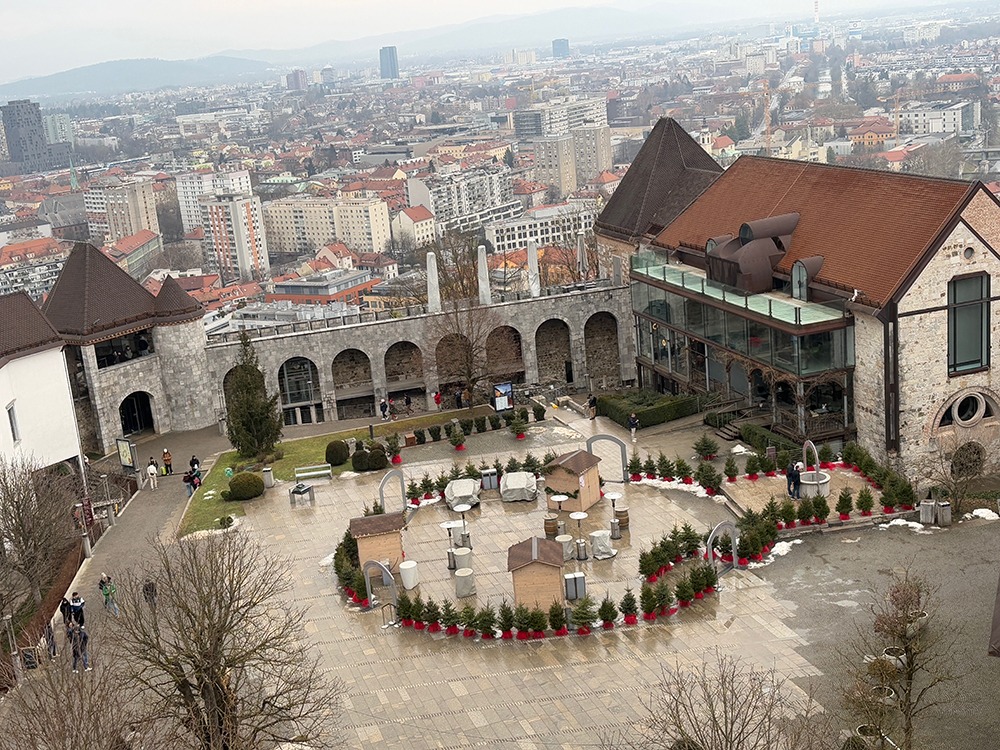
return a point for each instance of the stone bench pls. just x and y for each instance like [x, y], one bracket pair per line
[313, 472]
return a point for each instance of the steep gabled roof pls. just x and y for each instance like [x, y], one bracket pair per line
[174, 305]
[669, 172]
[25, 329]
[871, 227]
[93, 299]
[536, 549]
[575, 462]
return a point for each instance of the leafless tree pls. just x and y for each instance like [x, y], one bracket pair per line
[891, 690]
[726, 704]
[956, 469]
[460, 338]
[458, 259]
[219, 657]
[36, 521]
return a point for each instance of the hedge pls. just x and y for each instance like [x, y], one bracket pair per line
[759, 438]
[663, 409]
[716, 420]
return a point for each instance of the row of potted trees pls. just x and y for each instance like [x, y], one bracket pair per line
[664, 469]
[429, 487]
[682, 543]
[660, 599]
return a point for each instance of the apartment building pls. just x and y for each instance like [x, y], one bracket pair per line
[467, 200]
[235, 244]
[192, 185]
[925, 118]
[555, 163]
[117, 209]
[546, 225]
[58, 128]
[136, 255]
[558, 118]
[415, 225]
[302, 225]
[26, 145]
[31, 266]
[592, 151]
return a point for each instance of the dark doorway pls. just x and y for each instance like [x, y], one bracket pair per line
[569, 371]
[136, 413]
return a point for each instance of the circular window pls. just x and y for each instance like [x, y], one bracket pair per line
[967, 411]
[968, 460]
[969, 252]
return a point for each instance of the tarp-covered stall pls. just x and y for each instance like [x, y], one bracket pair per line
[518, 485]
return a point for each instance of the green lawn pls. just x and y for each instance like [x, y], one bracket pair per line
[203, 513]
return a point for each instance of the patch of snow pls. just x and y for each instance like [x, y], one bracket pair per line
[237, 521]
[348, 474]
[986, 514]
[327, 561]
[780, 550]
[846, 603]
[850, 541]
[739, 450]
[912, 525]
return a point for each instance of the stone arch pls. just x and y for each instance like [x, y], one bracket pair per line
[299, 391]
[136, 413]
[453, 355]
[553, 351]
[504, 356]
[943, 419]
[352, 381]
[404, 364]
[600, 336]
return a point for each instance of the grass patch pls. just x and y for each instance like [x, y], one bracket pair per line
[203, 512]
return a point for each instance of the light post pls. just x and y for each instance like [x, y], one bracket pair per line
[15, 657]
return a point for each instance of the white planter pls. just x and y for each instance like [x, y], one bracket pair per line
[916, 624]
[814, 483]
[409, 574]
[869, 733]
[884, 695]
[895, 656]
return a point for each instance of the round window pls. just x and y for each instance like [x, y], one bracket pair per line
[969, 252]
[968, 410]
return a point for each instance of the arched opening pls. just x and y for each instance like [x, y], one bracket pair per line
[600, 335]
[968, 460]
[504, 358]
[298, 386]
[136, 412]
[404, 375]
[352, 379]
[455, 363]
[555, 361]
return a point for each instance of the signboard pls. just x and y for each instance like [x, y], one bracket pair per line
[503, 396]
[125, 454]
[88, 513]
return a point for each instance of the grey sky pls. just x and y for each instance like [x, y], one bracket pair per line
[46, 36]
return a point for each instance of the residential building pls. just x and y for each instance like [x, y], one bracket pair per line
[785, 283]
[546, 225]
[414, 225]
[555, 163]
[117, 208]
[335, 285]
[40, 421]
[465, 201]
[13, 229]
[297, 81]
[388, 63]
[299, 225]
[592, 151]
[235, 244]
[531, 194]
[379, 265]
[871, 135]
[925, 118]
[136, 255]
[31, 266]
[58, 128]
[957, 81]
[560, 48]
[558, 117]
[27, 148]
[192, 185]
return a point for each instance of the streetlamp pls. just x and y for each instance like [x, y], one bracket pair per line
[15, 657]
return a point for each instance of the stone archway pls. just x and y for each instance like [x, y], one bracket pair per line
[136, 413]
[600, 335]
[504, 357]
[299, 391]
[387, 578]
[404, 374]
[353, 385]
[734, 534]
[455, 366]
[552, 349]
[389, 476]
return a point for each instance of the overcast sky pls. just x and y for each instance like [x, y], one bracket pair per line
[38, 37]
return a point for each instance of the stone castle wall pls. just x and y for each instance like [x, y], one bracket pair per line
[191, 396]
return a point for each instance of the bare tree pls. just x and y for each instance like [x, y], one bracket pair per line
[902, 662]
[956, 469]
[464, 349]
[218, 656]
[458, 259]
[726, 704]
[36, 521]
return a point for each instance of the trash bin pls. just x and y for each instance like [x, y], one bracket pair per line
[569, 581]
[944, 513]
[268, 477]
[616, 532]
[581, 549]
[927, 511]
[581, 584]
[488, 479]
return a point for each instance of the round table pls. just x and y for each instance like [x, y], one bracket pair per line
[613, 497]
[559, 500]
[449, 525]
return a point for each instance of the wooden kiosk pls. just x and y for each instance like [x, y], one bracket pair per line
[536, 566]
[572, 474]
[380, 538]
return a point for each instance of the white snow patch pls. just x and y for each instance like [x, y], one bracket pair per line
[850, 541]
[846, 603]
[780, 550]
[237, 521]
[327, 561]
[675, 484]
[739, 450]
[986, 514]
[912, 525]
[348, 474]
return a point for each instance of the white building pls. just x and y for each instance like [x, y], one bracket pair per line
[559, 117]
[40, 421]
[925, 118]
[192, 185]
[546, 225]
[468, 200]
[234, 237]
[58, 128]
[592, 151]
[299, 225]
[117, 209]
[555, 163]
[415, 224]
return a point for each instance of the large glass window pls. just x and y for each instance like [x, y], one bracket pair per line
[640, 296]
[968, 323]
[759, 341]
[785, 348]
[715, 325]
[675, 310]
[694, 312]
[679, 353]
[736, 333]
[657, 305]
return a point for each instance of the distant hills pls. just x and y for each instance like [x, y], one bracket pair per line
[123, 76]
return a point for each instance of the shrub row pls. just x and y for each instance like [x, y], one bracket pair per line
[664, 409]
[759, 438]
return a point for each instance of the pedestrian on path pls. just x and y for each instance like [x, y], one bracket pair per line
[108, 589]
[437, 398]
[467, 398]
[76, 615]
[189, 482]
[789, 478]
[64, 610]
[78, 639]
[50, 641]
[168, 462]
[458, 398]
[384, 408]
[151, 472]
[633, 424]
[592, 404]
[194, 463]
[797, 481]
[409, 404]
[149, 593]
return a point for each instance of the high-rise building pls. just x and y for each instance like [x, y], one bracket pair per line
[58, 128]
[27, 147]
[117, 209]
[388, 62]
[192, 185]
[304, 225]
[592, 148]
[297, 81]
[555, 163]
[465, 201]
[235, 245]
[558, 118]
[328, 75]
[560, 47]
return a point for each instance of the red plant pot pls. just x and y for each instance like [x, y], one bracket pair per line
[661, 571]
[790, 525]
[469, 633]
[651, 476]
[428, 496]
[406, 622]
[488, 636]
[355, 599]
[688, 480]
[907, 507]
[649, 616]
[349, 591]
[652, 579]
[766, 550]
[608, 625]
[856, 469]
[664, 611]
[709, 590]
[780, 525]
[667, 479]
[364, 603]
[419, 625]
[700, 595]
[562, 631]
[710, 491]
[770, 474]
[754, 477]
[434, 627]
[784, 473]
[742, 561]
[537, 635]
[678, 558]
[845, 516]
[757, 558]
[631, 619]
[866, 512]
[520, 436]
[397, 459]
[583, 631]
[887, 509]
[523, 635]
[636, 477]
[730, 479]
[727, 558]
[683, 604]
[805, 522]
[460, 447]
[693, 553]
[506, 635]
[810, 468]
[451, 630]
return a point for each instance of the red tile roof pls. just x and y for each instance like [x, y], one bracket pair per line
[133, 242]
[418, 213]
[18, 252]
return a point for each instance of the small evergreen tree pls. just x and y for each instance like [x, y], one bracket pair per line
[788, 511]
[765, 464]
[826, 454]
[607, 612]
[522, 618]
[805, 509]
[725, 544]
[426, 484]
[635, 463]
[413, 490]
[752, 465]
[706, 447]
[649, 466]
[486, 621]
[403, 606]
[866, 501]
[432, 613]
[696, 577]
[538, 620]
[845, 503]
[690, 539]
[682, 468]
[905, 494]
[505, 617]
[772, 511]
[457, 437]
[513, 465]
[647, 600]
[358, 584]
[530, 463]
[449, 617]
[664, 595]
[821, 508]
[417, 610]
[557, 617]
[743, 547]
[517, 426]
[584, 613]
[685, 591]
[731, 469]
[467, 618]
[664, 466]
[628, 605]
[254, 421]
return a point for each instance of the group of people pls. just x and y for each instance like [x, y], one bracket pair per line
[75, 621]
[793, 473]
[153, 471]
[388, 408]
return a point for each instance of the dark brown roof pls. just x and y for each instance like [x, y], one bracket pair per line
[173, 304]
[575, 462]
[532, 550]
[384, 523]
[94, 299]
[871, 227]
[669, 172]
[25, 329]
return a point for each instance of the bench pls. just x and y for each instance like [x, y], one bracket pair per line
[313, 472]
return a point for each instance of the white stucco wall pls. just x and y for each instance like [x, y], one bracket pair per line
[38, 385]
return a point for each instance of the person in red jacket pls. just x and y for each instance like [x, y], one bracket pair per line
[437, 398]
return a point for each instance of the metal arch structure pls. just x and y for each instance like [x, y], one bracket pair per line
[805, 453]
[389, 475]
[386, 576]
[734, 533]
[617, 441]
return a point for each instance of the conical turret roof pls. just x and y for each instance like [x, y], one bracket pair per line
[173, 304]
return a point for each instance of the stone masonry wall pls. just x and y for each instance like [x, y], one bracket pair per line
[111, 385]
[869, 385]
[601, 340]
[403, 361]
[351, 367]
[552, 345]
[192, 397]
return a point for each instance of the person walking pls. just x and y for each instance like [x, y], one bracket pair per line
[789, 478]
[64, 610]
[592, 405]
[149, 593]
[189, 482]
[194, 463]
[76, 603]
[151, 472]
[467, 398]
[50, 641]
[409, 403]
[797, 481]
[458, 398]
[384, 408]
[633, 425]
[168, 462]
[78, 639]
[437, 399]
[108, 589]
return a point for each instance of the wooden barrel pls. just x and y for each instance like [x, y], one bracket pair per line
[621, 513]
[551, 526]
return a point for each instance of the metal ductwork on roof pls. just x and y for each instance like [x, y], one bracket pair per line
[773, 227]
[747, 262]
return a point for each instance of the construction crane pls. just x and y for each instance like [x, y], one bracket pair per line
[894, 98]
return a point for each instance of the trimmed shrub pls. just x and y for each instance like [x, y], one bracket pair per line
[420, 435]
[359, 461]
[538, 412]
[466, 425]
[245, 486]
[377, 460]
[522, 413]
[480, 424]
[449, 427]
[650, 408]
[435, 432]
[495, 421]
[508, 416]
[337, 452]
[760, 438]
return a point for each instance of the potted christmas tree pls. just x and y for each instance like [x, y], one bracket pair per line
[690, 540]
[731, 470]
[677, 542]
[821, 509]
[709, 579]
[772, 511]
[706, 448]
[505, 620]
[531, 464]
[766, 464]
[629, 608]
[726, 547]
[866, 501]
[845, 504]
[685, 592]
[607, 613]
[805, 511]
[665, 467]
[360, 590]
[905, 495]
[789, 513]
[413, 493]
[648, 566]
[432, 616]
[752, 467]
[417, 613]
[649, 467]
[557, 619]
[486, 622]
[403, 606]
[697, 584]
[826, 456]
[449, 617]
[517, 427]
[537, 621]
[584, 613]
[468, 619]
[664, 598]
[683, 471]
[457, 438]
[522, 622]
[647, 600]
[743, 551]
[427, 486]
[635, 467]
[392, 443]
